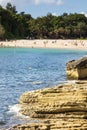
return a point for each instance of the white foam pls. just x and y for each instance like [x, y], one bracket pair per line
[30, 68]
[37, 83]
[71, 81]
[16, 110]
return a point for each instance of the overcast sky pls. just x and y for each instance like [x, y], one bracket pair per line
[39, 8]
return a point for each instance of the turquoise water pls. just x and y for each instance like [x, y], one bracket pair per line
[25, 69]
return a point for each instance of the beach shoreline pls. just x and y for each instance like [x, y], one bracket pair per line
[46, 43]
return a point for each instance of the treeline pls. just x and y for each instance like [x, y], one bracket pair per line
[14, 25]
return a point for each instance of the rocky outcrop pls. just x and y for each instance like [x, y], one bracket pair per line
[77, 69]
[62, 107]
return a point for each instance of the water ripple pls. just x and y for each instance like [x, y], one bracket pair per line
[24, 69]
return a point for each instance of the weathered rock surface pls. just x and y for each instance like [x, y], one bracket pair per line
[62, 107]
[77, 69]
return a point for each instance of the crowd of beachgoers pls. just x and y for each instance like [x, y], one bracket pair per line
[46, 43]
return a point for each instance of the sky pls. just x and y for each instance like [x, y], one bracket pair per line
[39, 8]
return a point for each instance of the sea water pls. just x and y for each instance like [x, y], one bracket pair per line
[27, 69]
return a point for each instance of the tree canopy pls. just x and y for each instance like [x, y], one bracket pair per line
[21, 25]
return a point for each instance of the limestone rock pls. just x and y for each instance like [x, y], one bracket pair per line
[58, 124]
[77, 69]
[62, 107]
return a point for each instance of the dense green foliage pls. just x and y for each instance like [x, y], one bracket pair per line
[21, 25]
[2, 32]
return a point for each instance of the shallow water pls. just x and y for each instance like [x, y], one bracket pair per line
[26, 69]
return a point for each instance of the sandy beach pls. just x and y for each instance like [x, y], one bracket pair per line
[46, 43]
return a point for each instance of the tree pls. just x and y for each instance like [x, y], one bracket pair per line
[82, 29]
[22, 25]
[2, 31]
[11, 8]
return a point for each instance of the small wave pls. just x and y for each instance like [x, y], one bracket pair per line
[30, 68]
[15, 109]
[71, 81]
[65, 82]
[37, 82]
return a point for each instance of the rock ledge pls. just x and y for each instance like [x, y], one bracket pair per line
[63, 107]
